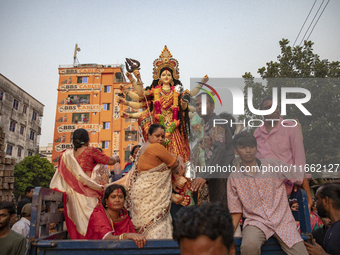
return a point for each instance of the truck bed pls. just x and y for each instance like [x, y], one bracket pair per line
[43, 243]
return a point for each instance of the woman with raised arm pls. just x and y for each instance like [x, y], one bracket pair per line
[149, 186]
[73, 178]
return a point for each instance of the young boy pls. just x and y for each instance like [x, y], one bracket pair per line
[257, 191]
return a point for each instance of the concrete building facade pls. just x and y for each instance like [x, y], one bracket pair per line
[46, 151]
[88, 99]
[20, 116]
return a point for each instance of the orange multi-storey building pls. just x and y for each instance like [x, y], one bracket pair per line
[88, 98]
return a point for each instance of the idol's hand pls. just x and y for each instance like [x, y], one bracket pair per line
[129, 76]
[177, 198]
[121, 100]
[122, 88]
[205, 79]
[181, 182]
[137, 74]
[124, 115]
[186, 201]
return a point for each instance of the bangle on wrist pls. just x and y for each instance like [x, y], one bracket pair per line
[121, 237]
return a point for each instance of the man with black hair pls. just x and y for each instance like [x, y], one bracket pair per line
[204, 229]
[23, 225]
[328, 205]
[27, 199]
[11, 243]
[217, 143]
[256, 190]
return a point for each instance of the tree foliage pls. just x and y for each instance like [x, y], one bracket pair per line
[300, 67]
[32, 170]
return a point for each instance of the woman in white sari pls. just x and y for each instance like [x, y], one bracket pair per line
[149, 187]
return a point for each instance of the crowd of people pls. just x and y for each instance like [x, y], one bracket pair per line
[138, 205]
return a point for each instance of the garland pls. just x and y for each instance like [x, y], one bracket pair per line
[175, 123]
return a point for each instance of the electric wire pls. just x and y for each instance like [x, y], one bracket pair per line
[317, 21]
[311, 22]
[304, 23]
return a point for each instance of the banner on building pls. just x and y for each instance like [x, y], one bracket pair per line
[81, 87]
[71, 128]
[80, 108]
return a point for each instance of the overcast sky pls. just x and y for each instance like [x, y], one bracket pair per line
[223, 39]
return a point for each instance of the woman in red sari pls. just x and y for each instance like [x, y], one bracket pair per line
[113, 222]
[73, 178]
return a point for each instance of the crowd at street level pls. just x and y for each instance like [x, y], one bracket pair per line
[145, 195]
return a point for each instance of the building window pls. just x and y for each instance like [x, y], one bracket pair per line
[9, 150]
[107, 89]
[30, 153]
[1, 95]
[12, 126]
[15, 104]
[34, 115]
[32, 135]
[80, 118]
[118, 77]
[105, 144]
[106, 107]
[106, 125]
[78, 99]
[19, 152]
[22, 130]
[82, 79]
[130, 136]
[24, 110]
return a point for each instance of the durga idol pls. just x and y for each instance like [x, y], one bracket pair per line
[163, 102]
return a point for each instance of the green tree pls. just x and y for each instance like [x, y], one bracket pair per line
[32, 170]
[300, 67]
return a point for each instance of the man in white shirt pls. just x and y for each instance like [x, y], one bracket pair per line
[23, 225]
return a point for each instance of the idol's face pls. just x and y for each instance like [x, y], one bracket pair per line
[166, 77]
